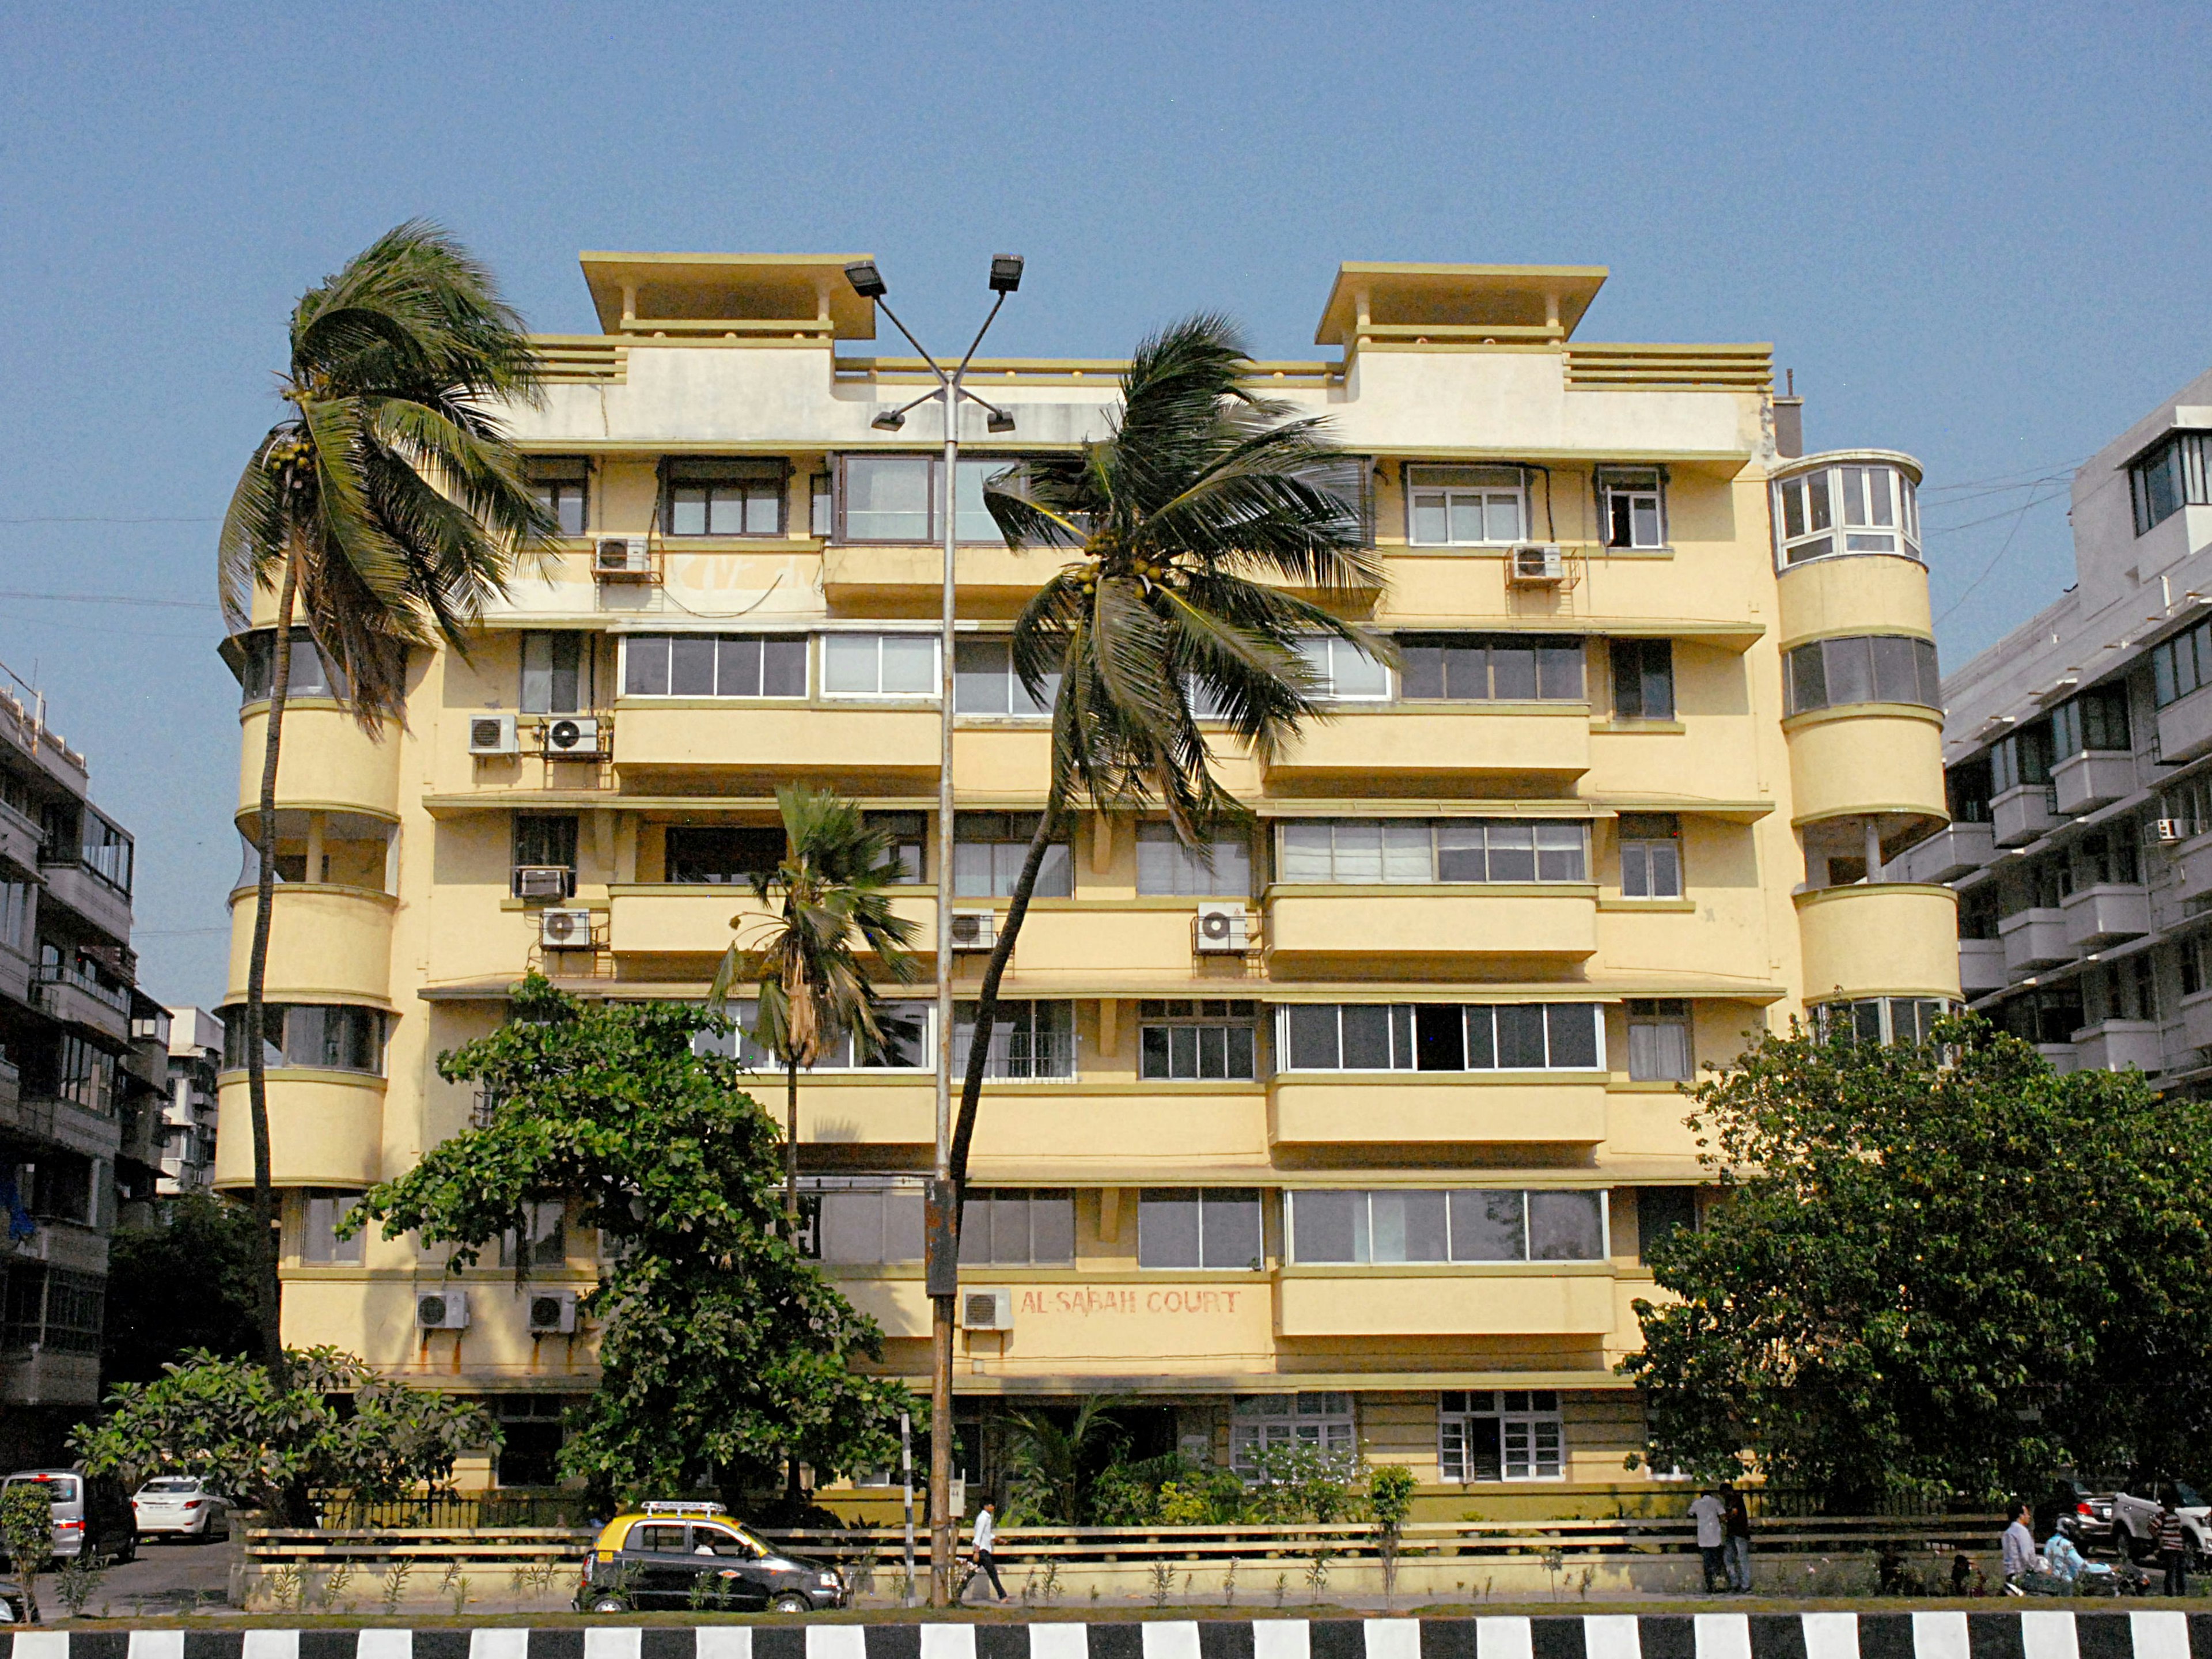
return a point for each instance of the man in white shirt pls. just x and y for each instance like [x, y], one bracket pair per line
[1709, 1512]
[987, 1536]
[2019, 1547]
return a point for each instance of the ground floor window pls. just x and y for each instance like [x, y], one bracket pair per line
[1262, 1422]
[1499, 1434]
[530, 1452]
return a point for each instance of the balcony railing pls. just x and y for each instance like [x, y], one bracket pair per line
[93, 983]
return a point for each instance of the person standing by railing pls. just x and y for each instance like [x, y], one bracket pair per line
[1735, 1521]
[1710, 1515]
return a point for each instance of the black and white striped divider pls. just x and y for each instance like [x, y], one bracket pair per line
[2007, 1634]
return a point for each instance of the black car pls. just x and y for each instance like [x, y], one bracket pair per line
[695, 1556]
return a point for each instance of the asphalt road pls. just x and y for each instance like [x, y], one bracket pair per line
[168, 1577]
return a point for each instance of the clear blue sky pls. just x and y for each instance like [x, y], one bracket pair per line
[1977, 233]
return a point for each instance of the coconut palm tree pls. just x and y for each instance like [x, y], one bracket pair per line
[831, 894]
[1193, 524]
[384, 511]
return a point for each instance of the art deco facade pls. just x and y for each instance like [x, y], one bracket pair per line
[1357, 1135]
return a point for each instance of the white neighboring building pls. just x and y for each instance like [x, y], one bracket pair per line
[2078, 751]
[188, 1119]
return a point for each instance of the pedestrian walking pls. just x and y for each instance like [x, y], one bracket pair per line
[2018, 1555]
[1710, 1513]
[2172, 1540]
[1736, 1522]
[986, 1540]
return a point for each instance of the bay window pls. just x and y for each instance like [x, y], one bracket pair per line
[1441, 1037]
[899, 498]
[1863, 668]
[879, 664]
[1868, 507]
[1204, 1227]
[1490, 667]
[1391, 1225]
[2171, 477]
[1444, 850]
[718, 666]
[314, 1035]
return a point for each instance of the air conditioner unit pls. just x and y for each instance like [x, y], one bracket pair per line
[541, 881]
[987, 1310]
[565, 930]
[2170, 830]
[617, 556]
[492, 734]
[974, 930]
[572, 734]
[442, 1311]
[1538, 564]
[1227, 929]
[552, 1313]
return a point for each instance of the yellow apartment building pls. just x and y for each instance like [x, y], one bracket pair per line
[1356, 1136]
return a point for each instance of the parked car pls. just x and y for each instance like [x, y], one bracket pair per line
[92, 1517]
[693, 1555]
[2135, 1519]
[2073, 1507]
[180, 1506]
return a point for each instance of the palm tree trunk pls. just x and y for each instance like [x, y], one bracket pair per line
[271, 1285]
[790, 1156]
[986, 1007]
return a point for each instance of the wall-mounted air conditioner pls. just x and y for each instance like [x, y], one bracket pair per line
[617, 558]
[541, 881]
[565, 930]
[442, 1311]
[974, 930]
[1227, 929]
[1538, 565]
[552, 1313]
[987, 1310]
[572, 734]
[2171, 830]
[492, 734]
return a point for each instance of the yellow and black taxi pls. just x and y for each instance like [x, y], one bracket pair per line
[693, 1555]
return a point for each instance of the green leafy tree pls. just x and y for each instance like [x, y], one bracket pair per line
[1938, 1270]
[27, 1534]
[830, 892]
[384, 511]
[721, 1346]
[187, 1282]
[328, 1422]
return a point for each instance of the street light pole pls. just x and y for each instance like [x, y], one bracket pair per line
[941, 1243]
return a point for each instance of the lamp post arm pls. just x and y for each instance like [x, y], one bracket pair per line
[959, 373]
[883, 305]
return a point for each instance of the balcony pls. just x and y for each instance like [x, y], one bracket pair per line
[103, 906]
[659, 737]
[327, 762]
[2059, 1056]
[2081, 783]
[1361, 744]
[1499, 921]
[20, 839]
[2035, 939]
[325, 1129]
[2185, 728]
[1894, 938]
[1884, 759]
[2118, 1044]
[84, 1001]
[1040, 1128]
[858, 578]
[2021, 814]
[1551, 1298]
[1470, 1111]
[2197, 1020]
[2105, 914]
[1981, 965]
[326, 943]
[1958, 850]
[2192, 866]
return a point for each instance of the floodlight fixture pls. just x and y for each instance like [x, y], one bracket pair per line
[999, 421]
[868, 282]
[890, 421]
[1006, 273]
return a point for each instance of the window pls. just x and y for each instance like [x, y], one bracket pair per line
[1661, 1212]
[1651, 855]
[821, 505]
[2168, 479]
[51, 1306]
[1865, 668]
[715, 665]
[879, 664]
[903, 1028]
[2127, 989]
[897, 498]
[2181, 665]
[1967, 791]
[1259, 1423]
[1486, 667]
[1017, 1227]
[1467, 1224]
[1499, 1434]
[310, 676]
[2097, 719]
[1464, 506]
[2105, 857]
[2196, 964]
[562, 487]
[1630, 505]
[82, 1075]
[63, 1188]
[1385, 850]
[1896, 1019]
[320, 1244]
[861, 1219]
[1199, 1227]
[545, 842]
[543, 1241]
[1166, 867]
[1442, 1036]
[556, 673]
[1659, 1043]
[1029, 1040]
[908, 834]
[1183, 1039]
[1345, 672]
[1873, 508]
[2047, 1016]
[984, 681]
[1643, 679]
[714, 497]
[315, 1035]
[722, 854]
[987, 850]
[2022, 760]
[15, 916]
[530, 1440]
